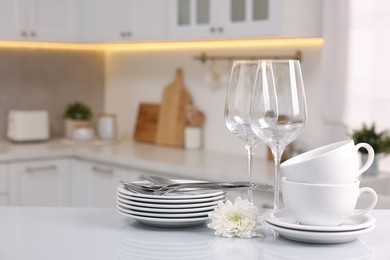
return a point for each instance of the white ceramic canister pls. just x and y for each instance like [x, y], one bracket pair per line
[83, 132]
[192, 137]
[106, 126]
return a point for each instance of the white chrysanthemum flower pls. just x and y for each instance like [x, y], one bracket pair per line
[239, 219]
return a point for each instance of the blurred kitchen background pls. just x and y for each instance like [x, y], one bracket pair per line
[115, 55]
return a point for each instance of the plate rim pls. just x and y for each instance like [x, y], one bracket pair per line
[164, 220]
[172, 197]
[167, 210]
[175, 201]
[171, 206]
[165, 215]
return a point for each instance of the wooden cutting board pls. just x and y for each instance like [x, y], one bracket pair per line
[147, 120]
[172, 118]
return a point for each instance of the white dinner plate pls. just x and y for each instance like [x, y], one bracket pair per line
[168, 210]
[174, 195]
[161, 199]
[123, 208]
[166, 222]
[168, 206]
[283, 218]
[319, 237]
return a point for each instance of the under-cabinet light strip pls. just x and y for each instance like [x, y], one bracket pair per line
[177, 45]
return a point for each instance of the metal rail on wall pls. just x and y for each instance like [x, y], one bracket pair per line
[203, 57]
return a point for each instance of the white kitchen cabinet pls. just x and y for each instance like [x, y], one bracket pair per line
[238, 18]
[39, 183]
[124, 20]
[95, 184]
[40, 20]
[3, 185]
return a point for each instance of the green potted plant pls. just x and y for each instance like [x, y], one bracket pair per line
[76, 113]
[380, 142]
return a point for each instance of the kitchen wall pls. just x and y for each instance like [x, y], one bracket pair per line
[49, 79]
[134, 76]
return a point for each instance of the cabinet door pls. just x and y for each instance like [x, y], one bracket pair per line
[252, 17]
[95, 184]
[3, 185]
[54, 20]
[39, 183]
[149, 20]
[13, 20]
[194, 18]
[124, 20]
[103, 20]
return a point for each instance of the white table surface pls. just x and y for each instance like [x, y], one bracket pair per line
[101, 233]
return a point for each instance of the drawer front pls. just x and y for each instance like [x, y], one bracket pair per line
[3, 178]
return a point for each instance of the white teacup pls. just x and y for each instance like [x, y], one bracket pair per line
[333, 163]
[324, 204]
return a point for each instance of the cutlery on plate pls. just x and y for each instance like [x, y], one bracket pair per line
[160, 189]
[164, 183]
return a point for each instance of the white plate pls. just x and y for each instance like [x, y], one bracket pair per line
[166, 222]
[183, 210]
[173, 195]
[319, 237]
[283, 218]
[123, 208]
[168, 206]
[161, 199]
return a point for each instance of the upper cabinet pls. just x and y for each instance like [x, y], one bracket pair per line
[40, 20]
[238, 18]
[129, 20]
[124, 20]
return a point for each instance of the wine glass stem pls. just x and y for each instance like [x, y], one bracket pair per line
[250, 149]
[277, 154]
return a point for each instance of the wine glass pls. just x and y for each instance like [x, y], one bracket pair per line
[237, 108]
[278, 112]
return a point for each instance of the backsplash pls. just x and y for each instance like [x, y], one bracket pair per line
[49, 79]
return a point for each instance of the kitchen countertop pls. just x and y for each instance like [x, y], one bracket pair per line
[192, 164]
[102, 233]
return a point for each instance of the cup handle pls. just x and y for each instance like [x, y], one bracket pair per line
[371, 206]
[370, 157]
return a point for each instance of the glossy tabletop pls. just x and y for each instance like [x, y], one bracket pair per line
[101, 233]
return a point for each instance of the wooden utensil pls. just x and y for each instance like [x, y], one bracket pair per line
[146, 126]
[172, 119]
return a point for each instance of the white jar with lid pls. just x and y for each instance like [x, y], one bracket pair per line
[83, 132]
[106, 126]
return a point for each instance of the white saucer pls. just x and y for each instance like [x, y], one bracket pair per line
[159, 210]
[319, 237]
[123, 208]
[283, 218]
[166, 222]
[167, 206]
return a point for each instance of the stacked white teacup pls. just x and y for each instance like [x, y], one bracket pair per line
[321, 187]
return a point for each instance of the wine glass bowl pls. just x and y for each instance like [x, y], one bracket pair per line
[278, 111]
[237, 108]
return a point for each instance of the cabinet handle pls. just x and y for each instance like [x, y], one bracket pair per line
[212, 29]
[41, 168]
[122, 34]
[220, 29]
[102, 170]
[33, 34]
[128, 34]
[24, 33]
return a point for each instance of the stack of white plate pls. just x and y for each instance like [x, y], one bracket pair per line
[281, 221]
[175, 209]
